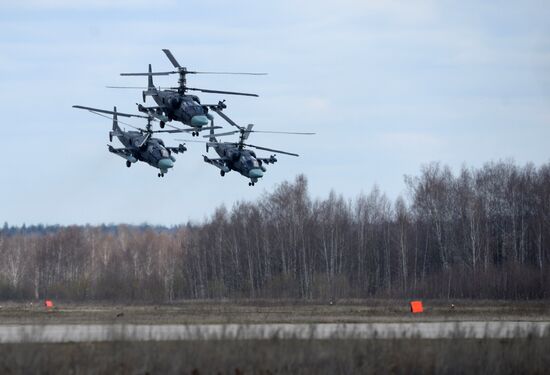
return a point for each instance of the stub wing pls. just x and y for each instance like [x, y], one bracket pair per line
[177, 150]
[270, 160]
[158, 112]
[125, 153]
[217, 162]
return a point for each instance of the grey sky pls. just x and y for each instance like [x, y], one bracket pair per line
[387, 85]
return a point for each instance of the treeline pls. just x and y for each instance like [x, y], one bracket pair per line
[483, 233]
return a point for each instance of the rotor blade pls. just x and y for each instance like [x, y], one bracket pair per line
[149, 74]
[190, 140]
[120, 122]
[222, 92]
[211, 144]
[108, 112]
[177, 130]
[145, 139]
[241, 73]
[221, 134]
[224, 116]
[171, 58]
[275, 132]
[271, 149]
[127, 87]
[246, 133]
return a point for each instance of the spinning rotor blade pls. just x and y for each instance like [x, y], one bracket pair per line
[129, 87]
[120, 122]
[211, 144]
[181, 69]
[221, 134]
[240, 73]
[275, 132]
[246, 133]
[177, 130]
[145, 139]
[257, 131]
[222, 92]
[224, 116]
[126, 87]
[171, 58]
[149, 74]
[271, 149]
[194, 129]
[108, 112]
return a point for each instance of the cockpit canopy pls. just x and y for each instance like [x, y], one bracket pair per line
[192, 108]
[249, 161]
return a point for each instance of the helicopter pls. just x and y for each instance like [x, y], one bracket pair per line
[234, 156]
[140, 145]
[174, 103]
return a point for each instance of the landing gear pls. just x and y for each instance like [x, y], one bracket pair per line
[251, 184]
[222, 173]
[195, 134]
[162, 123]
[128, 164]
[161, 174]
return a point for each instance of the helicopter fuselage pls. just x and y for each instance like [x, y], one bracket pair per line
[152, 152]
[181, 107]
[241, 160]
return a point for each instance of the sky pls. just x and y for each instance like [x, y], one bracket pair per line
[388, 86]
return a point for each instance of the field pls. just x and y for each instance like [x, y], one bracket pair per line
[270, 311]
[300, 356]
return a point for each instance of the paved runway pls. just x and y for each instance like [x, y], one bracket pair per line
[137, 332]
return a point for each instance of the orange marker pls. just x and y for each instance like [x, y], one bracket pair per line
[416, 307]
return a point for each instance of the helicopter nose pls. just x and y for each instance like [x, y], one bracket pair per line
[199, 120]
[255, 173]
[165, 164]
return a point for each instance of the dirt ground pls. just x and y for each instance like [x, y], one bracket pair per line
[270, 311]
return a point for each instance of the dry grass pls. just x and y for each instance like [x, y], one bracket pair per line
[407, 356]
[271, 311]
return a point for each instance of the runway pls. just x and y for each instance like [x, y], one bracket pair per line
[58, 333]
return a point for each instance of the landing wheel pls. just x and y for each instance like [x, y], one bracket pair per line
[162, 123]
[251, 184]
[222, 173]
[128, 164]
[161, 174]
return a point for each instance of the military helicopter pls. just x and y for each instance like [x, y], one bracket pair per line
[234, 156]
[139, 145]
[174, 103]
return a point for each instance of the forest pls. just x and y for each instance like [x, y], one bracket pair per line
[479, 233]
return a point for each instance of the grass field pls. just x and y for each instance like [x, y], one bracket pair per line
[457, 356]
[528, 355]
[269, 311]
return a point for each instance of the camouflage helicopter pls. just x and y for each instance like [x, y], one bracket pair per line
[234, 156]
[139, 145]
[174, 103]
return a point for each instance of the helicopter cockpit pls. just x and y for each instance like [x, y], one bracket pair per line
[192, 108]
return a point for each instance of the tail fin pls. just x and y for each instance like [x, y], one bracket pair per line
[151, 89]
[150, 84]
[116, 129]
[212, 138]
